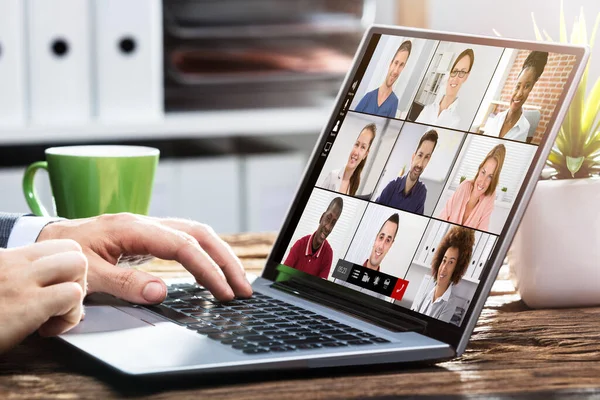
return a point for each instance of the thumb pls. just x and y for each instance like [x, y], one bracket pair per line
[125, 283]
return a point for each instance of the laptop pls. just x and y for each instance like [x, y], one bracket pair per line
[397, 231]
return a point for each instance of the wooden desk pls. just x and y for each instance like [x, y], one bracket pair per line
[514, 352]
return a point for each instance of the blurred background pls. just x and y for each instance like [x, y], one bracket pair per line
[234, 93]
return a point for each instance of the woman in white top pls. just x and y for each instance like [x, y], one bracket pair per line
[449, 264]
[444, 113]
[347, 179]
[511, 123]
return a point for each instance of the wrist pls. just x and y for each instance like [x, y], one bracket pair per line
[48, 232]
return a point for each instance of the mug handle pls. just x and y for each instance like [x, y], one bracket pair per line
[33, 201]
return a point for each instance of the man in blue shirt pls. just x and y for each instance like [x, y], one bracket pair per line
[407, 192]
[383, 101]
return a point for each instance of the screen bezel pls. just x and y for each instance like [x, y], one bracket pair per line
[456, 336]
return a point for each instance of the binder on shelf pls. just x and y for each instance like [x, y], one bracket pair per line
[477, 255]
[436, 241]
[12, 63]
[59, 33]
[487, 250]
[428, 242]
[129, 61]
[473, 260]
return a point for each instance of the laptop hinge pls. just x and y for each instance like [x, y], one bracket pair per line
[368, 309]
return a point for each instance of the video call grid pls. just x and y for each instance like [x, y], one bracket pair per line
[453, 164]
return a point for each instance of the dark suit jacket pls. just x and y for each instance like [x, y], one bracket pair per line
[7, 222]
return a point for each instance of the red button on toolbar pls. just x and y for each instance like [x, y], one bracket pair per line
[399, 289]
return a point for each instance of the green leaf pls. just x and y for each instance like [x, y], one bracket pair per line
[574, 164]
[556, 158]
[595, 30]
[591, 108]
[536, 30]
[563, 25]
[592, 148]
[582, 28]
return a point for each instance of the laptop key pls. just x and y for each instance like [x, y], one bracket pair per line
[296, 342]
[244, 332]
[334, 344]
[345, 337]
[196, 326]
[364, 335]
[280, 349]
[270, 343]
[358, 342]
[308, 346]
[244, 346]
[299, 331]
[275, 321]
[171, 314]
[256, 351]
[220, 336]
[256, 338]
[284, 337]
[379, 340]
[332, 332]
[233, 341]
[207, 330]
[287, 325]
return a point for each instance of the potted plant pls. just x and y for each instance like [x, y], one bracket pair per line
[554, 256]
[462, 179]
[503, 190]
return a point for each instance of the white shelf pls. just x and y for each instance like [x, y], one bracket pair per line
[418, 264]
[259, 122]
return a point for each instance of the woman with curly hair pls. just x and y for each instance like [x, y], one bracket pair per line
[449, 264]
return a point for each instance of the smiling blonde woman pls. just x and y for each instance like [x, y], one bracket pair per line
[473, 202]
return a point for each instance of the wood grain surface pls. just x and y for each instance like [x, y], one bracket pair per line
[515, 352]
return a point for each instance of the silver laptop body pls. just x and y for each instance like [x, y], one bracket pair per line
[137, 341]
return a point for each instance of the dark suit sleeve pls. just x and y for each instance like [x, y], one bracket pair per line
[7, 222]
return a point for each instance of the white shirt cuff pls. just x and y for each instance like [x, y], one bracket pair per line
[27, 229]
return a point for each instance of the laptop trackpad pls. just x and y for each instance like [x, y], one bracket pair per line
[106, 319]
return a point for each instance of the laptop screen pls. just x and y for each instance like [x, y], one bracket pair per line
[420, 167]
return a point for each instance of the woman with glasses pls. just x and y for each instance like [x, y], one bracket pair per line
[444, 112]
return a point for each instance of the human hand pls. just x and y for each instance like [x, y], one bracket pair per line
[196, 246]
[41, 286]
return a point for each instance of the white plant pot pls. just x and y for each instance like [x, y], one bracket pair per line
[555, 256]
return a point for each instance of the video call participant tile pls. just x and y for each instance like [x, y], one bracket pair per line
[445, 271]
[417, 169]
[454, 85]
[390, 81]
[386, 240]
[359, 152]
[523, 95]
[484, 183]
[323, 233]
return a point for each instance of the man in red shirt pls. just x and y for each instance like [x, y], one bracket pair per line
[383, 242]
[312, 253]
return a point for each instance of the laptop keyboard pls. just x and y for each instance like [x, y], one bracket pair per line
[258, 325]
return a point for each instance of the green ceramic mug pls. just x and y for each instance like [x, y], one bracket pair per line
[91, 180]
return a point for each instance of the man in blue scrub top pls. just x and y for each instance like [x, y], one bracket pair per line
[383, 101]
[408, 193]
